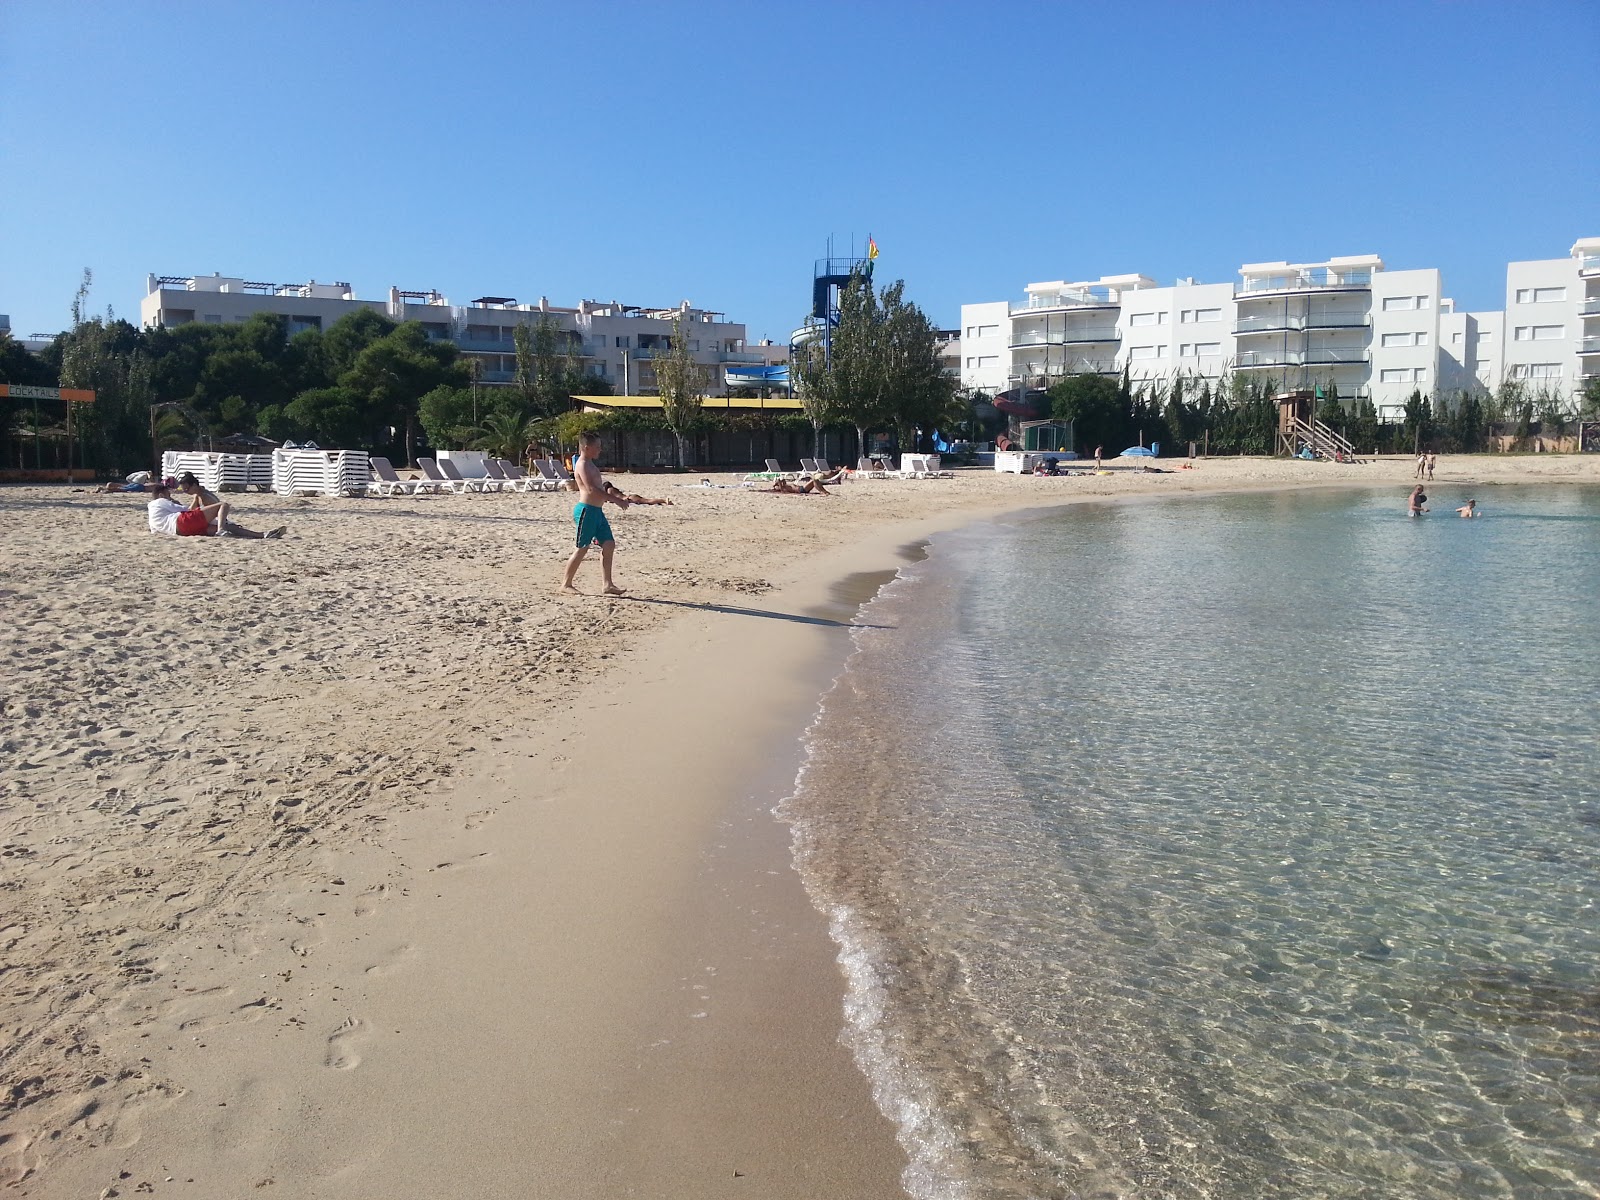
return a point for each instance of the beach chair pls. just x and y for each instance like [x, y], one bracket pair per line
[554, 478]
[496, 477]
[385, 482]
[515, 478]
[454, 475]
[440, 481]
[874, 469]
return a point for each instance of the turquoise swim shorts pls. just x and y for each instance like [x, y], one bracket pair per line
[593, 528]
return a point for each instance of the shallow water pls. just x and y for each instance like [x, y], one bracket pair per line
[1246, 846]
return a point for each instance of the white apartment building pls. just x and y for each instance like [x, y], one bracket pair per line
[1552, 320]
[1345, 323]
[616, 342]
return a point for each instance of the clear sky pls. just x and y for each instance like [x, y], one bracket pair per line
[651, 153]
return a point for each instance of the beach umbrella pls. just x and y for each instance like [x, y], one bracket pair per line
[1138, 452]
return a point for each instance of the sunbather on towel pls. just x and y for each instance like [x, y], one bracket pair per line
[614, 491]
[784, 488]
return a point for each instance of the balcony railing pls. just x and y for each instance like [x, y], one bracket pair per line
[1269, 358]
[1336, 320]
[1071, 298]
[1328, 355]
[1589, 264]
[1305, 281]
[1589, 308]
[1269, 323]
[1589, 345]
[1070, 337]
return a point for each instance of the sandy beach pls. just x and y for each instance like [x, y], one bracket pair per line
[363, 864]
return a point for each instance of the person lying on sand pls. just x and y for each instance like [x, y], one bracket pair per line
[168, 516]
[615, 492]
[799, 488]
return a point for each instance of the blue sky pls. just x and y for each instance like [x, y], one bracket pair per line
[651, 153]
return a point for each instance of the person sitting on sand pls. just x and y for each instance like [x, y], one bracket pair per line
[1469, 509]
[1416, 505]
[615, 492]
[217, 510]
[168, 516]
[799, 488]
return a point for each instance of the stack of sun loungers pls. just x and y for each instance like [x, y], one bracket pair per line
[320, 472]
[220, 472]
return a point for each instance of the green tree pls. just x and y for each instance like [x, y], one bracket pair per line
[549, 371]
[392, 374]
[681, 383]
[446, 415]
[504, 435]
[815, 384]
[856, 356]
[331, 416]
[916, 391]
[1094, 405]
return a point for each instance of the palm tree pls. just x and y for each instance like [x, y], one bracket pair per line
[503, 435]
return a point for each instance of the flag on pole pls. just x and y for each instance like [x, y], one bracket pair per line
[872, 248]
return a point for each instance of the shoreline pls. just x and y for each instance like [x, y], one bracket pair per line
[536, 923]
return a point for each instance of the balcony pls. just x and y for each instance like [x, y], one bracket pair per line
[741, 356]
[1269, 323]
[1068, 337]
[497, 377]
[490, 345]
[1337, 320]
[1247, 359]
[1330, 355]
[1071, 298]
[1314, 280]
[1589, 345]
[1589, 264]
[1589, 308]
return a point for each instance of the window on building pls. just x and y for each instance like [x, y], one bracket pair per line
[1536, 371]
[988, 331]
[1205, 348]
[625, 342]
[1455, 339]
[1208, 314]
[987, 360]
[1161, 318]
[1148, 318]
[971, 362]
[213, 318]
[1142, 351]
[1544, 295]
[1538, 333]
[1419, 375]
[972, 331]
[1392, 376]
[1390, 340]
[1185, 316]
[1185, 349]
[1399, 303]
[1423, 302]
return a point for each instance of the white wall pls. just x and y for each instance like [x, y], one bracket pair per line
[1542, 325]
[1405, 335]
[985, 338]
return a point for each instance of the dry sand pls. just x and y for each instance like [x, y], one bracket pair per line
[361, 864]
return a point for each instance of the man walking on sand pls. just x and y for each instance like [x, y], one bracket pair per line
[588, 513]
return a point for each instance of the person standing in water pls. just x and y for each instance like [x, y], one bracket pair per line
[1469, 509]
[1417, 501]
[589, 514]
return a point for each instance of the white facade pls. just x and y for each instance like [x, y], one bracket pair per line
[616, 342]
[1552, 320]
[1345, 323]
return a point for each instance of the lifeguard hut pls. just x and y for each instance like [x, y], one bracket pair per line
[1298, 428]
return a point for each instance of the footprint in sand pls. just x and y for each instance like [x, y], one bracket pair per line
[341, 1055]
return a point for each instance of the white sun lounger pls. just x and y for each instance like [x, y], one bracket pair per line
[385, 482]
[441, 481]
[511, 476]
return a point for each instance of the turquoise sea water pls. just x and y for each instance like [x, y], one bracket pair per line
[1235, 847]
